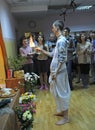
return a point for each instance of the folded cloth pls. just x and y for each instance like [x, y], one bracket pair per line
[4, 107]
[4, 102]
[52, 86]
[6, 110]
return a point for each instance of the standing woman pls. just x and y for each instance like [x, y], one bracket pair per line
[42, 61]
[58, 73]
[25, 51]
[84, 59]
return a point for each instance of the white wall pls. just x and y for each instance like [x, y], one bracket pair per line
[8, 25]
[7, 21]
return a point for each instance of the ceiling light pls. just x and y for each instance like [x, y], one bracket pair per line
[83, 7]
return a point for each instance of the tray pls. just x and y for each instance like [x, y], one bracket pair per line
[7, 92]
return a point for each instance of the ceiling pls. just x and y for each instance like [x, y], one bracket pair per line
[42, 7]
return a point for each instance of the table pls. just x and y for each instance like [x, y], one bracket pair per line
[13, 83]
[9, 121]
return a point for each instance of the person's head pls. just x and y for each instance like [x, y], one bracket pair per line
[52, 37]
[92, 34]
[33, 36]
[57, 27]
[24, 42]
[66, 31]
[82, 38]
[40, 39]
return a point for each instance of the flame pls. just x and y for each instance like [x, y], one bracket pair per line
[32, 44]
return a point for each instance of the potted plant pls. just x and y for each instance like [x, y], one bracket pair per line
[16, 64]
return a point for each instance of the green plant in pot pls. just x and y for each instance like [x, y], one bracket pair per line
[16, 63]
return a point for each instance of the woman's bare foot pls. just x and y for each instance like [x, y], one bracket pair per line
[62, 122]
[59, 114]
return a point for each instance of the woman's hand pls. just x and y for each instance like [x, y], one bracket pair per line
[38, 49]
[53, 75]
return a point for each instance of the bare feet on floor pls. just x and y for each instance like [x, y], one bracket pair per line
[58, 114]
[62, 121]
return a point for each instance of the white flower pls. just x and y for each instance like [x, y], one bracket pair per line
[32, 79]
[35, 75]
[24, 118]
[27, 74]
[20, 100]
[29, 116]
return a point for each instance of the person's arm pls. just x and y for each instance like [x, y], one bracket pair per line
[89, 48]
[59, 66]
[45, 52]
[22, 53]
[61, 58]
[54, 74]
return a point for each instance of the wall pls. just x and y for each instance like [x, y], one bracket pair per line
[8, 29]
[81, 21]
[77, 21]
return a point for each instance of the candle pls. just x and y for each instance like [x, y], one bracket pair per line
[31, 42]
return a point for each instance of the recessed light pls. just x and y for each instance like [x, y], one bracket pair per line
[83, 7]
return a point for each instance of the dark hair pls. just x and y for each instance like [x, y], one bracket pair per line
[42, 37]
[24, 38]
[80, 41]
[68, 29]
[59, 24]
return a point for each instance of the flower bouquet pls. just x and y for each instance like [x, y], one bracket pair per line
[26, 109]
[27, 97]
[30, 82]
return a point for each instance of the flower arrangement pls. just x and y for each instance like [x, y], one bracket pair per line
[27, 97]
[30, 82]
[26, 109]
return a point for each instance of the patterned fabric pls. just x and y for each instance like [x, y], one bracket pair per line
[60, 54]
[71, 46]
[84, 58]
[60, 87]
